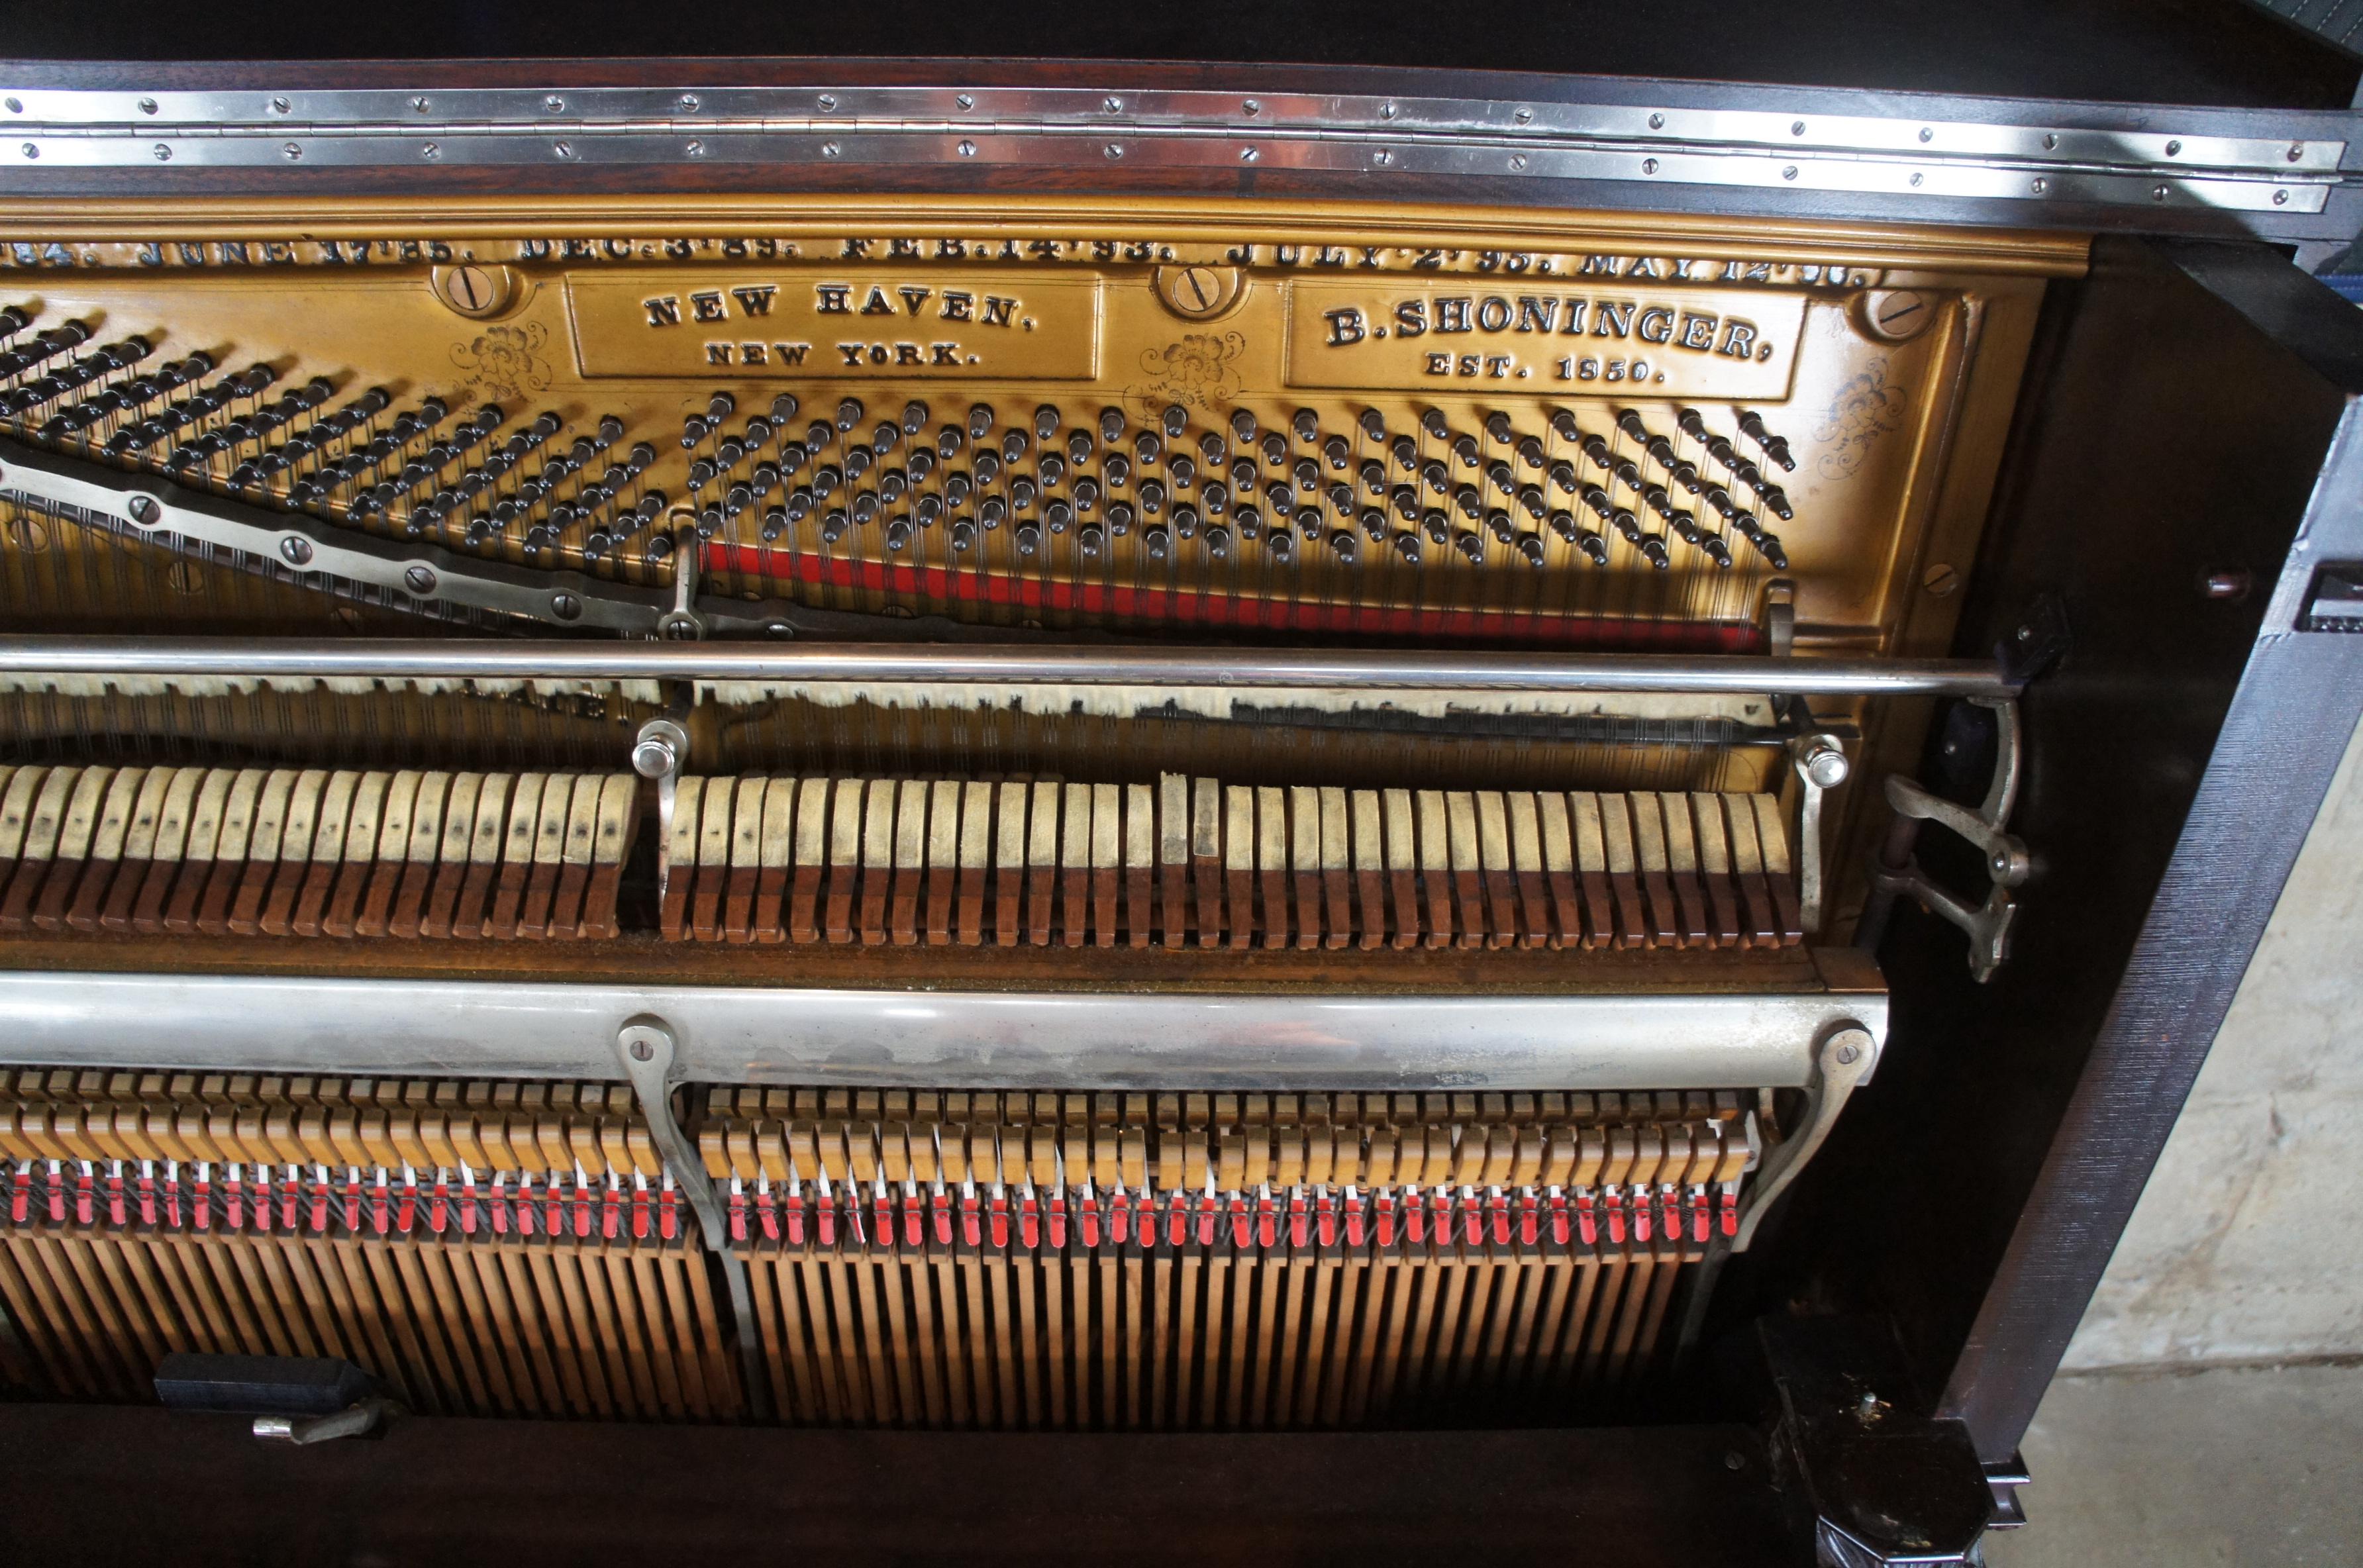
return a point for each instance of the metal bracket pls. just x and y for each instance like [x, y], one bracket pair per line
[645, 1045]
[1821, 766]
[354, 1421]
[1895, 870]
[1847, 1056]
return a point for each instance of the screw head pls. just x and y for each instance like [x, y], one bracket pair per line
[563, 149]
[1382, 156]
[2050, 141]
[279, 106]
[1824, 763]
[144, 511]
[1656, 122]
[418, 579]
[1927, 134]
[1849, 1054]
[1251, 108]
[431, 152]
[554, 104]
[1732, 1461]
[967, 150]
[829, 149]
[1649, 166]
[16, 105]
[421, 103]
[294, 149]
[1248, 155]
[2280, 198]
[1796, 128]
[696, 149]
[1517, 161]
[1523, 116]
[965, 101]
[2296, 151]
[1113, 150]
[2173, 150]
[146, 106]
[688, 102]
[1789, 173]
[565, 606]
[1387, 111]
[642, 1050]
[1111, 104]
[2041, 185]
[2158, 193]
[163, 153]
[827, 102]
[295, 550]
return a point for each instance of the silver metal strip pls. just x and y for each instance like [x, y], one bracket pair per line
[1367, 670]
[1369, 133]
[922, 1039]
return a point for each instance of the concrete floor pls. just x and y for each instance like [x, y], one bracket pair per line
[2177, 1469]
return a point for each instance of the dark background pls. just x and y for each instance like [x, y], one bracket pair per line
[2188, 51]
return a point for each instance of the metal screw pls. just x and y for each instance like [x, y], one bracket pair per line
[1732, 1459]
[1941, 580]
[294, 150]
[965, 101]
[418, 579]
[144, 511]
[2158, 193]
[1926, 134]
[642, 1050]
[1789, 173]
[1917, 177]
[827, 102]
[2173, 148]
[1517, 161]
[16, 105]
[31, 152]
[2050, 142]
[1656, 122]
[297, 551]
[1382, 156]
[1524, 116]
[563, 149]
[1111, 104]
[689, 102]
[829, 149]
[146, 106]
[1386, 110]
[2229, 582]
[2296, 148]
[2280, 198]
[1649, 166]
[431, 152]
[1251, 108]
[1114, 149]
[696, 149]
[278, 105]
[1796, 128]
[779, 631]
[421, 103]
[163, 153]
[1247, 155]
[2041, 185]
[654, 756]
[2027, 634]
[967, 150]
[554, 104]
[1824, 765]
[565, 606]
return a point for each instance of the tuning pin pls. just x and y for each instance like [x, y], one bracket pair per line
[1307, 425]
[14, 319]
[980, 421]
[1338, 450]
[1275, 449]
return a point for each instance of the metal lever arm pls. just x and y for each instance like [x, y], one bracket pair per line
[1895, 872]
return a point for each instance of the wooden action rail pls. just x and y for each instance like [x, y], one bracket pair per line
[1194, 862]
[313, 852]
